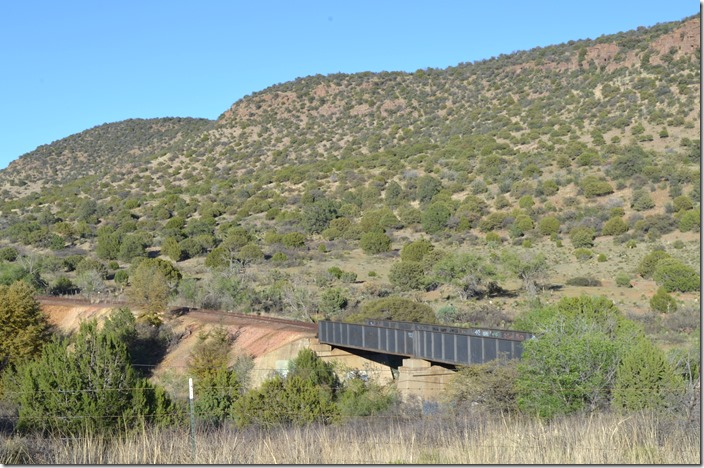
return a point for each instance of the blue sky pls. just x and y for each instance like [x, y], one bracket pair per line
[73, 64]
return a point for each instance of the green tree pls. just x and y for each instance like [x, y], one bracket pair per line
[316, 216]
[217, 385]
[645, 379]
[86, 387]
[427, 187]
[294, 240]
[149, 291]
[682, 202]
[250, 253]
[641, 200]
[131, 247]
[392, 194]
[435, 217]
[24, 329]
[363, 398]
[171, 248]
[107, 245]
[572, 363]
[308, 366]
[529, 267]
[468, 272]
[283, 401]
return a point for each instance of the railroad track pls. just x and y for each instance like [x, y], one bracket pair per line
[208, 315]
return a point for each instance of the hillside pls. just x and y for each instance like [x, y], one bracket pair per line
[300, 199]
[97, 152]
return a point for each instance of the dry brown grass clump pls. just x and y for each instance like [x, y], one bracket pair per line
[439, 439]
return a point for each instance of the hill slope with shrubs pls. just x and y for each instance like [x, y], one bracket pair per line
[548, 172]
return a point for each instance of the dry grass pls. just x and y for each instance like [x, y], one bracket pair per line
[467, 439]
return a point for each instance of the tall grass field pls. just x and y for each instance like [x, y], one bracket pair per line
[437, 439]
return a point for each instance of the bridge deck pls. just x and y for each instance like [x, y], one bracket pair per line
[450, 345]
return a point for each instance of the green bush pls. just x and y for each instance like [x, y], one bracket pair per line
[572, 363]
[623, 281]
[308, 366]
[63, 285]
[521, 224]
[614, 227]
[171, 248]
[306, 395]
[8, 254]
[690, 221]
[87, 387]
[647, 265]
[492, 238]
[348, 277]
[582, 237]
[435, 217]
[407, 275]
[375, 243]
[641, 200]
[416, 250]
[394, 308]
[645, 380]
[121, 277]
[492, 221]
[294, 240]
[582, 254]
[335, 271]
[663, 302]
[549, 225]
[362, 398]
[316, 217]
[682, 202]
[674, 275]
[279, 257]
[586, 281]
[217, 386]
[332, 301]
[285, 401]
[489, 387]
[595, 187]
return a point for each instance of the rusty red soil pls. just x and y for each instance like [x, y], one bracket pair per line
[255, 335]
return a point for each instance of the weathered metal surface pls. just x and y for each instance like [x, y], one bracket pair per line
[450, 345]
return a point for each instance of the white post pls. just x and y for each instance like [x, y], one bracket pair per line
[193, 418]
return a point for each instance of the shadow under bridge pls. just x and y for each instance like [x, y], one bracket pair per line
[435, 343]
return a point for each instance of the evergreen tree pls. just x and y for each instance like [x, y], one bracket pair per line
[645, 379]
[86, 385]
[218, 386]
[23, 327]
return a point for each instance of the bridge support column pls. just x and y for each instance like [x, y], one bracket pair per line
[419, 378]
[346, 361]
